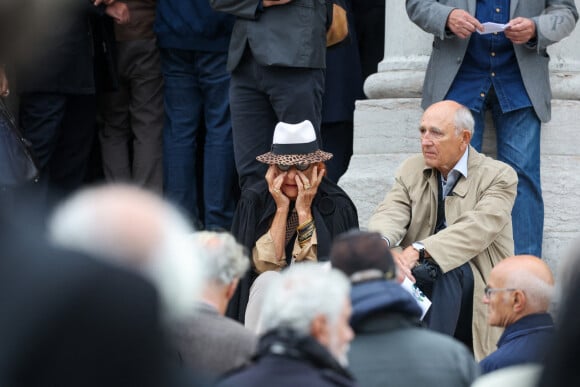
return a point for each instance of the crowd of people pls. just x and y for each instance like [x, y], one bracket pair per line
[187, 228]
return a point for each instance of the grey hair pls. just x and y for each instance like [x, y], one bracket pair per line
[130, 227]
[301, 293]
[538, 292]
[224, 259]
[463, 120]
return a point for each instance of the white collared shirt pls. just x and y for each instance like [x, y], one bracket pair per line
[459, 169]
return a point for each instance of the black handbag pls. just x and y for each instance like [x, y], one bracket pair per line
[17, 163]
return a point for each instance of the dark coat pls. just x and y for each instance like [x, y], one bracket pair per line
[344, 82]
[211, 344]
[290, 35]
[389, 338]
[62, 57]
[333, 212]
[524, 341]
[287, 360]
[70, 320]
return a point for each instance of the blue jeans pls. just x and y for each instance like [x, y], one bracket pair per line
[196, 98]
[518, 144]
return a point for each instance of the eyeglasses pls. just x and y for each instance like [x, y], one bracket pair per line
[286, 167]
[489, 291]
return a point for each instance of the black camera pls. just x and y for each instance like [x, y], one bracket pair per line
[426, 273]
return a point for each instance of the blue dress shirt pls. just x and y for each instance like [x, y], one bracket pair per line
[490, 60]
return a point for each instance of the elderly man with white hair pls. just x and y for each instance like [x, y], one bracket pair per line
[134, 228]
[209, 342]
[306, 332]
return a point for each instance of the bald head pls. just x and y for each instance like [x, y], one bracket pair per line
[124, 222]
[443, 109]
[453, 113]
[522, 265]
[524, 285]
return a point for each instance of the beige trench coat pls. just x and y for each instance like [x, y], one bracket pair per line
[479, 227]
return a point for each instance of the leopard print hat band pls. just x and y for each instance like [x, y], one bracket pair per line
[294, 144]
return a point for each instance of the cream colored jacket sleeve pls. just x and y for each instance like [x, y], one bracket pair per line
[264, 257]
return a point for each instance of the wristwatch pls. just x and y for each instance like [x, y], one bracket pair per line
[420, 248]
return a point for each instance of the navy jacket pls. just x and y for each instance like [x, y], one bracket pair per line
[522, 342]
[192, 25]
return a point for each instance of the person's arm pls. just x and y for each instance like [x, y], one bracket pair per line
[266, 257]
[118, 11]
[264, 254]
[430, 15]
[473, 231]
[247, 9]
[393, 214]
[305, 246]
[555, 23]
[99, 2]
[308, 251]
[269, 251]
[277, 229]
[4, 85]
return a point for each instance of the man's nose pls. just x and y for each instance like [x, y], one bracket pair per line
[426, 140]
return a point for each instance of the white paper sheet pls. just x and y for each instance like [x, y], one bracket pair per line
[490, 27]
[422, 300]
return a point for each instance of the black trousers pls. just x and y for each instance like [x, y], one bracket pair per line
[452, 309]
[337, 138]
[260, 97]
[61, 128]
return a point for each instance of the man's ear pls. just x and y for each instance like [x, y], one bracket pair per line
[466, 136]
[231, 289]
[519, 300]
[319, 330]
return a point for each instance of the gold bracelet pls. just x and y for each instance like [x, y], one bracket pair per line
[300, 227]
[306, 235]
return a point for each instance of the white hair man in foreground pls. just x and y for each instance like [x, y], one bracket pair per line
[209, 342]
[137, 229]
[305, 320]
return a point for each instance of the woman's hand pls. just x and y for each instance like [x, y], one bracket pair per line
[307, 189]
[275, 180]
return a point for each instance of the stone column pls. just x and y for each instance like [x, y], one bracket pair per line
[386, 128]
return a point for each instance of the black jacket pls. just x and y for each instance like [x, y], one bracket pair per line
[285, 359]
[62, 53]
[332, 210]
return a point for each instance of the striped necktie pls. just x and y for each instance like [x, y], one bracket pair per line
[291, 225]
